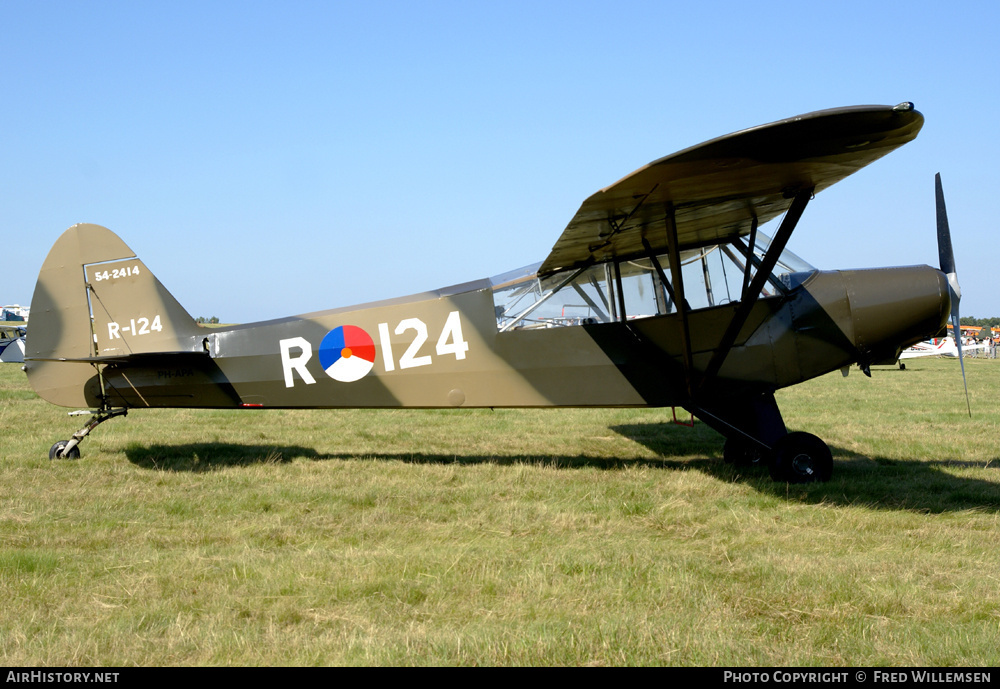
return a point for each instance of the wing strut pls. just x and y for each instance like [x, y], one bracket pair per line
[621, 293]
[746, 271]
[752, 294]
[590, 302]
[659, 270]
[674, 254]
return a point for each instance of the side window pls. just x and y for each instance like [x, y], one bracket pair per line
[522, 300]
[713, 276]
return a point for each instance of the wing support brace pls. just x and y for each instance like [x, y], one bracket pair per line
[746, 271]
[659, 270]
[752, 293]
[674, 256]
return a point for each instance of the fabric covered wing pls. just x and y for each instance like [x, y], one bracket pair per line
[715, 189]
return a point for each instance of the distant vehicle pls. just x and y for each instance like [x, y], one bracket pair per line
[661, 291]
[14, 313]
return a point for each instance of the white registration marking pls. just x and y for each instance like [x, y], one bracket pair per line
[297, 364]
[145, 327]
[451, 341]
[127, 271]
[383, 336]
[410, 358]
[452, 331]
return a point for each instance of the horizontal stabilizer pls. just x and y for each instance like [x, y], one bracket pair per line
[142, 358]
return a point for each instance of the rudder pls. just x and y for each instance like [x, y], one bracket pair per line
[95, 299]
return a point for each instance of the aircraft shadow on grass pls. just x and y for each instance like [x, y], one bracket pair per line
[877, 482]
[204, 457]
[198, 457]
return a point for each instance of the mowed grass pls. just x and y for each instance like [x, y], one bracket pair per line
[534, 537]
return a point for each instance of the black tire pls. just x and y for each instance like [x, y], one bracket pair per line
[57, 448]
[801, 458]
[742, 453]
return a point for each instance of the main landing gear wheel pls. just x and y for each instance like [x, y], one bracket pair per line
[55, 452]
[801, 458]
[742, 453]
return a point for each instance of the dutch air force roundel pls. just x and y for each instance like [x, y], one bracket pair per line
[347, 353]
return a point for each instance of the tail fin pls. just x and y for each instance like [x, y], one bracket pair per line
[95, 300]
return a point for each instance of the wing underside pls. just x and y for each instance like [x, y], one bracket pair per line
[715, 191]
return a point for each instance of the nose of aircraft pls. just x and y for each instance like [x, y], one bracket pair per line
[893, 308]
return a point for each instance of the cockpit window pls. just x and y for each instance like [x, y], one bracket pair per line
[639, 288]
[523, 299]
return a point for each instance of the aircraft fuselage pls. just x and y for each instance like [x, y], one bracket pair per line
[443, 350]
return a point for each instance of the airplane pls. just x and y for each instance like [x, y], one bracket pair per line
[937, 347]
[662, 291]
[945, 347]
[12, 343]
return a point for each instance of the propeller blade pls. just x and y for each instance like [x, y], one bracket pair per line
[947, 258]
[945, 254]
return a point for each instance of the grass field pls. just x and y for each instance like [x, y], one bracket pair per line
[544, 537]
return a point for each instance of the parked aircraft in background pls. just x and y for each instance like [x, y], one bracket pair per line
[12, 343]
[944, 346]
[661, 291]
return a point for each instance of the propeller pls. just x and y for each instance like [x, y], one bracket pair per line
[947, 259]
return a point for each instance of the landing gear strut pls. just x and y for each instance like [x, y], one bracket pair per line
[69, 449]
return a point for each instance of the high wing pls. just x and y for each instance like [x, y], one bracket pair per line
[719, 190]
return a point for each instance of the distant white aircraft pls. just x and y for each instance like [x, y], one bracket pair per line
[12, 343]
[943, 347]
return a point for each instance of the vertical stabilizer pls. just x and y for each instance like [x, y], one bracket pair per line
[95, 299]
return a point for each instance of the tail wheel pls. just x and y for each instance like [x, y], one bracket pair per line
[55, 452]
[801, 458]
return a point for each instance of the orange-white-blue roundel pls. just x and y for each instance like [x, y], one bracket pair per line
[347, 353]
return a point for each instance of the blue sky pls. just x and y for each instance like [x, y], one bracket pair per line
[267, 159]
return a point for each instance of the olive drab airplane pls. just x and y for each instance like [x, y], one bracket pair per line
[662, 291]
